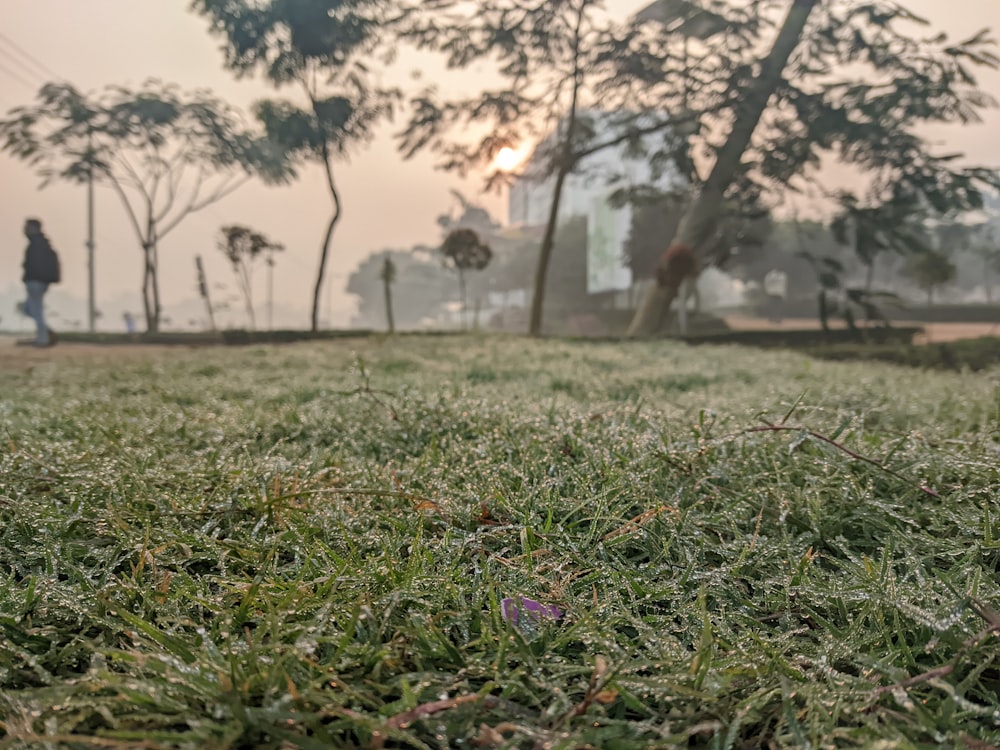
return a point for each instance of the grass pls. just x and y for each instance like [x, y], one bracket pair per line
[976, 354]
[308, 546]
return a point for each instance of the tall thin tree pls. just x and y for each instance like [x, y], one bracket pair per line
[322, 49]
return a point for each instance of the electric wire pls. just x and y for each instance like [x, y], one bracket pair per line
[43, 70]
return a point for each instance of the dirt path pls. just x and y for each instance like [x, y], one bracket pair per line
[18, 358]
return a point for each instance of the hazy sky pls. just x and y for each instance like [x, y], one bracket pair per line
[387, 202]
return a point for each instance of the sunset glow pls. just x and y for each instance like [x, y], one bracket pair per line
[509, 159]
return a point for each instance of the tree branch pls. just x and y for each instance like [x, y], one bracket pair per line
[844, 449]
[134, 220]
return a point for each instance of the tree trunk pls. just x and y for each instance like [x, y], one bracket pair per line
[325, 249]
[870, 275]
[390, 321]
[824, 311]
[869, 283]
[682, 313]
[148, 303]
[461, 294]
[698, 223]
[565, 167]
[246, 282]
[156, 284]
[545, 255]
[251, 317]
[150, 285]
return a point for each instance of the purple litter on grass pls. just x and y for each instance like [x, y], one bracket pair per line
[510, 610]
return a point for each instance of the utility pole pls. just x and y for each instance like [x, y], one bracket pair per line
[92, 302]
[270, 290]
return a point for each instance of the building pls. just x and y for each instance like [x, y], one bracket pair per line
[587, 193]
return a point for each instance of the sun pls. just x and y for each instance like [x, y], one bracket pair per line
[507, 159]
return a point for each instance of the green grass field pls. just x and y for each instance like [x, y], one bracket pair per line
[308, 546]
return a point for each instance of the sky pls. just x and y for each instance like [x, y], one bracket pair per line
[388, 202]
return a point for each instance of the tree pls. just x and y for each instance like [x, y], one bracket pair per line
[166, 154]
[835, 296]
[464, 251]
[842, 81]
[984, 242]
[322, 48]
[980, 242]
[896, 225]
[422, 283]
[560, 61]
[242, 246]
[388, 275]
[930, 270]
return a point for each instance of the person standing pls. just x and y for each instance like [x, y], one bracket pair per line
[41, 268]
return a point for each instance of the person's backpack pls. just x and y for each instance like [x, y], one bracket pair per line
[49, 270]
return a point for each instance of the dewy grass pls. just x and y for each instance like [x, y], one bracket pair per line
[308, 546]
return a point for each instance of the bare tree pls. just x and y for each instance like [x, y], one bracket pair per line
[242, 247]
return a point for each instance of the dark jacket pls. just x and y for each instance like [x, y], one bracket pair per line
[40, 261]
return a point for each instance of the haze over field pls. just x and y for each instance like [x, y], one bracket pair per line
[388, 202]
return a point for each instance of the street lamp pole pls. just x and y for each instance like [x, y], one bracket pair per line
[91, 301]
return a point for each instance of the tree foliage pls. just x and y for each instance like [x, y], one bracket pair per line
[898, 225]
[164, 152]
[463, 250]
[931, 270]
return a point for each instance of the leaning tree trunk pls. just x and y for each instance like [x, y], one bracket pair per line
[698, 222]
[325, 249]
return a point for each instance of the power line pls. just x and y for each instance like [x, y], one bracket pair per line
[17, 77]
[46, 71]
[25, 68]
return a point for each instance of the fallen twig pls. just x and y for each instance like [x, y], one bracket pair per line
[636, 523]
[842, 448]
[993, 628]
[404, 719]
[596, 692]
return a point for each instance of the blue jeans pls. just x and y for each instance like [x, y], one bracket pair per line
[35, 308]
